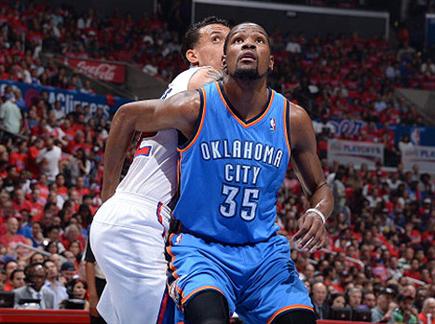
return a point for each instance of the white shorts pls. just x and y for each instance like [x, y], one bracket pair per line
[127, 239]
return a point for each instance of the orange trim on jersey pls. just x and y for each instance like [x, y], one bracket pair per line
[185, 299]
[171, 263]
[241, 122]
[201, 123]
[180, 156]
[282, 310]
[286, 131]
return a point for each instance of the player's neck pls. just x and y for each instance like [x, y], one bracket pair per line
[248, 97]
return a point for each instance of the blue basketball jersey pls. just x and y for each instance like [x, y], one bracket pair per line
[231, 171]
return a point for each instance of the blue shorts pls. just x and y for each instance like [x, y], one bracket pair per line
[259, 280]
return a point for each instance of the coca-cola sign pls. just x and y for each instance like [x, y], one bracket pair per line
[110, 72]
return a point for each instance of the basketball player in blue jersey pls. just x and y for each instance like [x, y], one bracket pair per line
[241, 135]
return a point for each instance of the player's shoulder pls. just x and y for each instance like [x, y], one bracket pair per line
[185, 76]
[297, 112]
[180, 82]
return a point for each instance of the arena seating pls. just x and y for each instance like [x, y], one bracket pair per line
[383, 228]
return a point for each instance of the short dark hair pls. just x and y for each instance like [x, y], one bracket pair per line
[28, 270]
[227, 39]
[12, 275]
[191, 36]
[46, 262]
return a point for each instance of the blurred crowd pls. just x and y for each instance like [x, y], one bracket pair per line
[381, 254]
[50, 181]
[380, 258]
[334, 77]
[350, 77]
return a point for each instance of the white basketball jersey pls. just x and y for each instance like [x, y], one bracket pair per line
[153, 172]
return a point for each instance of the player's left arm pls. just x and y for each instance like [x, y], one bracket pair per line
[203, 76]
[312, 232]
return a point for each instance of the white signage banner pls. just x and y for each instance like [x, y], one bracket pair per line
[357, 153]
[422, 156]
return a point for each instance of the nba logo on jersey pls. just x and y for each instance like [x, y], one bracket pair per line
[178, 239]
[272, 124]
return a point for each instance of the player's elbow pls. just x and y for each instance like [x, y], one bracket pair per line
[139, 115]
[123, 112]
[124, 116]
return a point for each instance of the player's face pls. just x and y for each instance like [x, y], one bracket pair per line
[209, 48]
[248, 52]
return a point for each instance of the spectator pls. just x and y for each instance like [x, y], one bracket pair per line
[318, 297]
[53, 235]
[293, 46]
[405, 144]
[428, 68]
[405, 313]
[338, 301]
[309, 271]
[427, 314]
[34, 289]
[67, 271]
[369, 300]
[73, 233]
[76, 251]
[37, 236]
[11, 238]
[384, 307]
[409, 291]
[10, 115]
[58, 111]
[77, 289]
[49, 158]
[338, 190]
[54, 284]
[354, 298]
[69, 256]
[16, 279]
[10, 266]
[36, 258]
[58, 260]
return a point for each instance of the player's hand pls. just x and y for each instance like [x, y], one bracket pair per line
[93, 301]
[312, 233]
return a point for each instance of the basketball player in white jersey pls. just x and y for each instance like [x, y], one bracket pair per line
[128, 231]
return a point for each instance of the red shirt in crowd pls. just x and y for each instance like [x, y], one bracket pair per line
[8, 239]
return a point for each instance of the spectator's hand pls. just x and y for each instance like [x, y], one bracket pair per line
[312, 233]
[39, 237]
[63, 280]
[414, 311]
[93, 301]
[392, 306]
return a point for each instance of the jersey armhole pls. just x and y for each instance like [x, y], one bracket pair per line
[187, 143]
[287, 105]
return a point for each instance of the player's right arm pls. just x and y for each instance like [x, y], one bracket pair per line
[179, 111]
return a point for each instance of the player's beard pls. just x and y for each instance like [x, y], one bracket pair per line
[248, 74]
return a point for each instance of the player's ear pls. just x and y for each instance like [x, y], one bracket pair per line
[224, 62]
[192, 57]
[271, 63]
